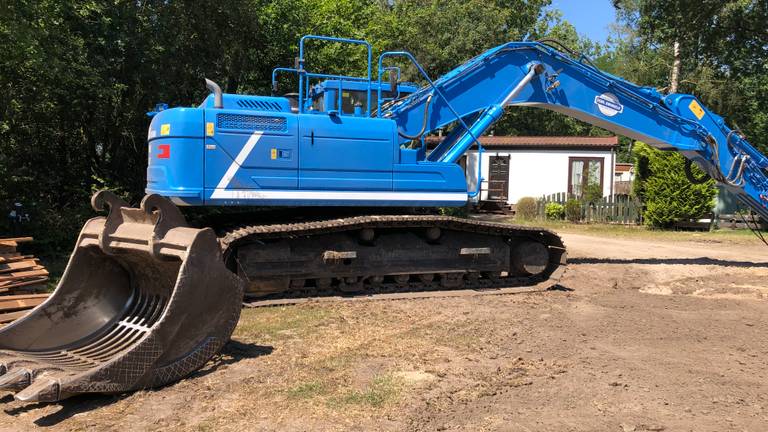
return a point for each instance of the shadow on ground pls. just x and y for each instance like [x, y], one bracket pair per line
[656, 261]
[233, 352]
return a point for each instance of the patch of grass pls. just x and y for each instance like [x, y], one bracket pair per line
[463, 338]
[280, 322]
[205, 426]
[337, 361]
[383, 390]
[307, 390]
[739, 236]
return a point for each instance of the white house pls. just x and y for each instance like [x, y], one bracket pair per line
[514, 167]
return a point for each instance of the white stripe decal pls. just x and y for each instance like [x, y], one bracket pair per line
[241, 157]
[257, 194]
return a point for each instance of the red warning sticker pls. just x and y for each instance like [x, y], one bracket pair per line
[165, 151]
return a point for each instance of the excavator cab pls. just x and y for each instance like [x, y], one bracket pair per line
[324, 97]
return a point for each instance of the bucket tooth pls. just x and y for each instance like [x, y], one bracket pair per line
[126, 313]
[16, 379]
[43, 389]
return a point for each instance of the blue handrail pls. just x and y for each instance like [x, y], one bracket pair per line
[423, 73]
[281, 69]
[431, 84]
[480, 179]
[304, 74]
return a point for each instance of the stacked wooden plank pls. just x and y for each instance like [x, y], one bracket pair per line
[21, 276]
[16, 306]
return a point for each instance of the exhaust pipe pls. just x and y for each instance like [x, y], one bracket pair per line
[218, 100]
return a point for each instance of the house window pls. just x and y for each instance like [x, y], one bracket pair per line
[584, 173]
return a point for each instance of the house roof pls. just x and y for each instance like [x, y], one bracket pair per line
[543, 142]
[623, 167]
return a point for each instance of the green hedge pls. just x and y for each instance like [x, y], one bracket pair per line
[554, 211]
[662, 186]
[573, 210]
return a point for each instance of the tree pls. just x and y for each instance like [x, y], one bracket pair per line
[722, 52]
[665, 190]
[78, 76]
[444, 33]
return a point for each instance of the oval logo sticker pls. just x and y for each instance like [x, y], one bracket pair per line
[608, 104]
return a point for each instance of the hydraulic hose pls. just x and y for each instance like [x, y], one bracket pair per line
[423, 125]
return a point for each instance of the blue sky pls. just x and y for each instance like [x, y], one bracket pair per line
[590, 17]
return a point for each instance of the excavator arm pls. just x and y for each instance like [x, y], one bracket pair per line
[539, 75]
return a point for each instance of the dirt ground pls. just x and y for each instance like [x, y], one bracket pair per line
[643, 335]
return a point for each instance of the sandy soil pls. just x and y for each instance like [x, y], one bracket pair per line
[644, 335]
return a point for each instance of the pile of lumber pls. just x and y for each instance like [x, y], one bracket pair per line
[16, 306]
[21, 276]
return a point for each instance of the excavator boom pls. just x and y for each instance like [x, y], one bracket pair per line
[539, 75]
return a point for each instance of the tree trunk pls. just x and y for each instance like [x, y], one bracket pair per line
[674, 79]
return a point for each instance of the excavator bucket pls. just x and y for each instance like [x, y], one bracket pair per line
[144, 301]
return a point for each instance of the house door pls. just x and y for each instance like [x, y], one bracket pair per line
[585, 177]
[498, 178]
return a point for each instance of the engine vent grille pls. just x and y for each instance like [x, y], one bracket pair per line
[251, 122]
[259, 105]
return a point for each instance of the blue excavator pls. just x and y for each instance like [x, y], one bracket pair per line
[147, 299]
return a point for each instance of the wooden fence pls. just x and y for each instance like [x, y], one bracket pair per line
[619, 210]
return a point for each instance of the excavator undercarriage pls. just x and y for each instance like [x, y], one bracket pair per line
[146, 300]
[370, 255]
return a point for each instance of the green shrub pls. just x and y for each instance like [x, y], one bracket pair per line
[667, 194]
[526, 208]
[554, 211]
[460, 212]
[593, 193]
[573, 210]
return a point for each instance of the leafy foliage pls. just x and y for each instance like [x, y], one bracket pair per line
[77, 76]
[722, 49]
[554, 211]
[665, 190]
[460, 212]
[593, 192]
[526, 208]
[442, 33]
[573, 210]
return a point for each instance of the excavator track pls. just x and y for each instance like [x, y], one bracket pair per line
[390, 257]
[126, 314]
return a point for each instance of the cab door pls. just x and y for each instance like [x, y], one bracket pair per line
[339, 152]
